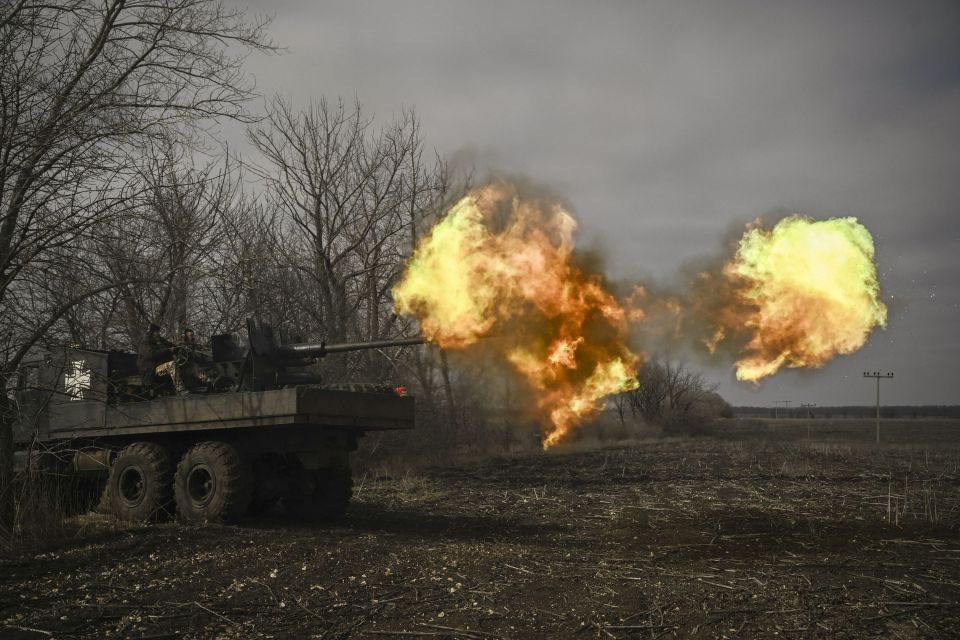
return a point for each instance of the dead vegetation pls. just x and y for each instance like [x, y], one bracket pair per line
[732, 536]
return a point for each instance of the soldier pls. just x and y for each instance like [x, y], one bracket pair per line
[155, 358]
[192, 361]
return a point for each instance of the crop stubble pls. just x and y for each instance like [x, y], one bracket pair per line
[747, 534]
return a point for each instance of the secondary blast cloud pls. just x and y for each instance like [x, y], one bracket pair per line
[795, 295]
[502, 262]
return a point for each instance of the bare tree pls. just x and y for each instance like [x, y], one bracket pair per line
[649, 397]
[671, 394]
[684, 387]
[83, 85]
[249, 279]
[173, 238]
[348, 195]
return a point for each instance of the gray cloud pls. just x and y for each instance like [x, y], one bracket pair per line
[666, 122]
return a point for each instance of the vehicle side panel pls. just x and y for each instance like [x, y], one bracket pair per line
[293, 406]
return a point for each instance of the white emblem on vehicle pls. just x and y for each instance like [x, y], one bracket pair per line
[76, 379]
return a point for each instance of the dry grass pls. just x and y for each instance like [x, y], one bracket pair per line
[39, 516]
[45, 506]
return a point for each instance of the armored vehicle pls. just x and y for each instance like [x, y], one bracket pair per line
[259, 428]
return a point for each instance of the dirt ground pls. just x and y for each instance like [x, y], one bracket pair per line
[758, 532]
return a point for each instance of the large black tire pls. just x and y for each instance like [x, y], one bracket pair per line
[213, 483]
[322, 495]
[140, 487]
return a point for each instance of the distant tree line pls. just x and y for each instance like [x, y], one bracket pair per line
[852, 411]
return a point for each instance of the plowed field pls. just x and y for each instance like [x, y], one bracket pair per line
[745, 535]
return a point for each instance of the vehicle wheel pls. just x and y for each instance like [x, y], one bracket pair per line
[140, 486]
[213, 484]
[323, 495]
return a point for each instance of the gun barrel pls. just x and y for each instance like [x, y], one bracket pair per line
[320, 349]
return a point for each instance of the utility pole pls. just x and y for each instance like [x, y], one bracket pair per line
[776, 403]
[808, 406]
[878, 376]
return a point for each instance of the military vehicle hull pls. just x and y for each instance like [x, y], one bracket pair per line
[307, 407]
[254, 436]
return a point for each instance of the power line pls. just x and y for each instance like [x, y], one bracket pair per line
[785, 403]
[878, 376]
[808, 406]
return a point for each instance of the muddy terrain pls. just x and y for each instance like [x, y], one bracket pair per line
[757, 533]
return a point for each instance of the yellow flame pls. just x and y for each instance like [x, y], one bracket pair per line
[811, 290]
[498, 261]
[607, 379]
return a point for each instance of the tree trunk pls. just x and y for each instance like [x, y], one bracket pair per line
[448, 390]
[6, 464]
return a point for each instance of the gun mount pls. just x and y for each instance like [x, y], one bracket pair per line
[268, 364]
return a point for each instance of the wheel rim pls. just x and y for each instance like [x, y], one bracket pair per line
[201, 485]
[132, 486]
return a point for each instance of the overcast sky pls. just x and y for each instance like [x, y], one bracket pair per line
[665, 123]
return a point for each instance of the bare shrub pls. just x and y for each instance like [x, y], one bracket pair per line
[42, 502]
[679, 400]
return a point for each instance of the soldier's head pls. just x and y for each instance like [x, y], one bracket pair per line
[154, 329]
[188, 337]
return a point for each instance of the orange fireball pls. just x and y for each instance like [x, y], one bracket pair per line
[501, 263]
[798, 295]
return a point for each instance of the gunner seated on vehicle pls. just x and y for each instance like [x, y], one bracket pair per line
[155, 360]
